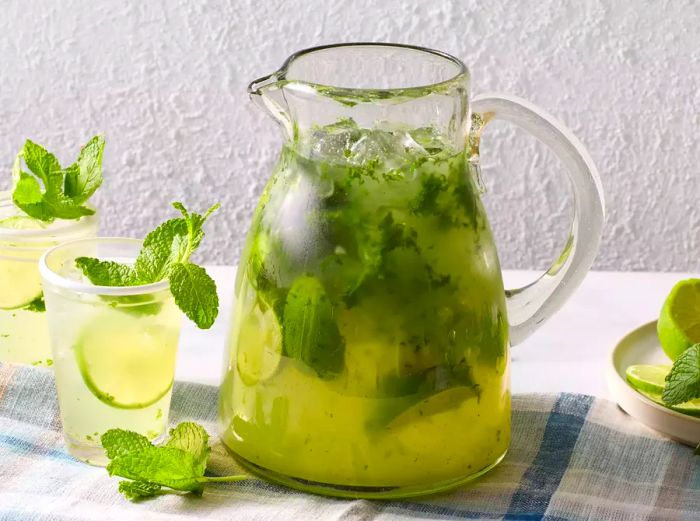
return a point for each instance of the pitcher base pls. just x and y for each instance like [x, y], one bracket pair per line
[358, 492]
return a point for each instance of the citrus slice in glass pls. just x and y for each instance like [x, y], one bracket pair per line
[22, 222]
[679, 322]
[125, 363]
[259, 345]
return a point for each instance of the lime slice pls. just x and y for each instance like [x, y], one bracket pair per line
[679, 323]
[648, 378]
[22, 222]
[259, 345]
[691, 408]
[20, 283]
[437, 403]
[126, 362]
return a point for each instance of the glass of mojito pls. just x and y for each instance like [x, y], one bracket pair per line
[114, 347]
[23, 332]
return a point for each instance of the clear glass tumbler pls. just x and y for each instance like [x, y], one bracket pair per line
[23, 333]
[114, 348]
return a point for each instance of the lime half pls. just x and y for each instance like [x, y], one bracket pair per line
[679, 323]
[126, 363]
[259, 345]
[648, 378]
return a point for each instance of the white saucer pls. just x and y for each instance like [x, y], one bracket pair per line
[641, 346]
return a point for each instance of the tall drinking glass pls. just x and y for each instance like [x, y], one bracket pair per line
[114, 348]
[23, 332]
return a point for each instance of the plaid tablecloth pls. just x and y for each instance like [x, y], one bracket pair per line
[573, 457]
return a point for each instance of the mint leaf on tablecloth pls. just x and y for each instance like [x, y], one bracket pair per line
[165, 466]
[191, 438]
[179, 464]
[136, 490]
[119, 442]
[683, 382]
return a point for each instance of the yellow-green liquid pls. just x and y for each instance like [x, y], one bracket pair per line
[24, 336]
[114, 366]
[369, 346]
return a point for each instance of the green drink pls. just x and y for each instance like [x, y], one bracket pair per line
[370, 328]
[24, 336]
[114, 348]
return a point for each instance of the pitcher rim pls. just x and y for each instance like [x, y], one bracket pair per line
[278, 76]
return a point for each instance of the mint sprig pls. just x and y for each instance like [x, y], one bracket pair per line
[48, 191]
[177, 465]
[683, 382]
[166, 254]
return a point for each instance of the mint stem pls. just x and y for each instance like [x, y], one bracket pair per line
[223, 479]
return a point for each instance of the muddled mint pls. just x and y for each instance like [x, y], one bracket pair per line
[165, 255]
[45, 190]
[310, 332]
[37, 305]
[359, 224]
[177, 465]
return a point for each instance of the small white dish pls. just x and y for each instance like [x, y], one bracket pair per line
[641, 346]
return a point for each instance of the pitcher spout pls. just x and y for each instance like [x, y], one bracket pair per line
[267, 93]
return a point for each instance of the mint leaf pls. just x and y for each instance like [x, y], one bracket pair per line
[683, 382]
[106, 273]
[120, 442]
[136, 490]
[162, 248]
[37, 305]
[64, 190]
[41, 162]
[310, 332]
[179, 464]
[165, 466]
[191, 438]
[195, 293]
[165, 255]
[28, 197]
[84, 177]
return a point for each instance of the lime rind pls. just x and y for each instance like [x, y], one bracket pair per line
[125, 364]
[648, 378]
[678, 326]
[691, 408]
[259, 345]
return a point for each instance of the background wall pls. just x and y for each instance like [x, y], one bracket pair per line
[165, 81]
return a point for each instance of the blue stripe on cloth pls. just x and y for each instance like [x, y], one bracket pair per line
[23, 446]
[542, 478]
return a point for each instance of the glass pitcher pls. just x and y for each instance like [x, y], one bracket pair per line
[369, 350]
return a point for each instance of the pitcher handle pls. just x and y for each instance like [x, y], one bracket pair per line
[531, 305]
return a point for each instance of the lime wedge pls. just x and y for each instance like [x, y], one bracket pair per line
[679, 323]
[259, 345]
[126, 362]
[432, 405]
[22, 222]
[691, 408]
[648, 378]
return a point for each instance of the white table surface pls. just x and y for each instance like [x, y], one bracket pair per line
[568, 353]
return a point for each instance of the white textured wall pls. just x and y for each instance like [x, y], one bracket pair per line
[165, 80]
